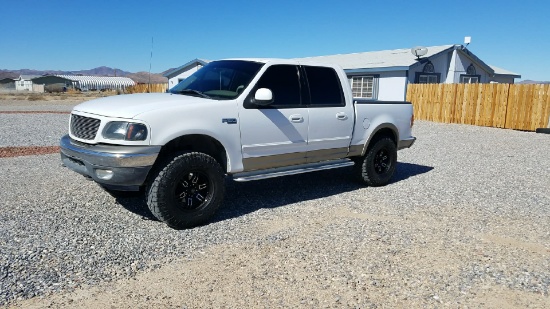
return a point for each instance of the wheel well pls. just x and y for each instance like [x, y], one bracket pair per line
[197, 143]
[384, 132]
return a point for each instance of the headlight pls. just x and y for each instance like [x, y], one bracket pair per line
[125, 131]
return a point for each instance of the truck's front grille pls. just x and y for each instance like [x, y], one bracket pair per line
[84, 127]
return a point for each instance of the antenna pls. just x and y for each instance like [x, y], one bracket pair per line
[467, 40]
[150, 62]
[419, 51]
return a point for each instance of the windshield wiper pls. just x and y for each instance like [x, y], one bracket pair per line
[193, 91]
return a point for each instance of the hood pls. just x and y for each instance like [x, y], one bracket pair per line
[131, 105]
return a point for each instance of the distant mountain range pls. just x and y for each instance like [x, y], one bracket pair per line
[139, 77]
[528, 81]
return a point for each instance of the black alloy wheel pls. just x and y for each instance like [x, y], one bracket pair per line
[186, 189]
[377, 166]
[193, 190]
[382, 161]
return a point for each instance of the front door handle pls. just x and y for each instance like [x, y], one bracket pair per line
[341, 116]
[296, 118]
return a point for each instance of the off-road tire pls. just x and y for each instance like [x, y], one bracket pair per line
[186, 190]
[377, 166]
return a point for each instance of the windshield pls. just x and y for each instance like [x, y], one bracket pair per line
[219, 80]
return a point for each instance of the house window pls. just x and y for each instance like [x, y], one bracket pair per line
[363, 87]
[471, 70]
[428, 75]
[467, 79]
[428, 68]
[470, 77]
[427, 78]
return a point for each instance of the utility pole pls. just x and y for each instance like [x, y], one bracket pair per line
[150, 62]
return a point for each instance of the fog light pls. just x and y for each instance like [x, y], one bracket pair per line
[104, 174]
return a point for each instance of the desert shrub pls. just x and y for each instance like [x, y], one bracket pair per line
[37, 97]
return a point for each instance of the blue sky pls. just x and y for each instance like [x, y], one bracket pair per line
[75, 35]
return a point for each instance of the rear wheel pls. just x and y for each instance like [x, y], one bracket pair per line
[377, 166]
[186, 190]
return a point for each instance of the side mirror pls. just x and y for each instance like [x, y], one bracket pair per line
[263, 97]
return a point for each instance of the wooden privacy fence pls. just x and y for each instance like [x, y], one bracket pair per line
[510, 106]
[141, 88]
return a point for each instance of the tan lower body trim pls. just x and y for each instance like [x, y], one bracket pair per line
[261, 163]
[355, 150]
[288, 159]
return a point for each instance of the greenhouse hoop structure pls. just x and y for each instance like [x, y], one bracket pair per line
[98, 82]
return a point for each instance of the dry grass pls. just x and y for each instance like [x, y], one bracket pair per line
[36, 97]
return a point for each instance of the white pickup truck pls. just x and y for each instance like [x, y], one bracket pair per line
[248, 119]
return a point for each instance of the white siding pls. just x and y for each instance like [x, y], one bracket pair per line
[452, 68]
[503, 79]
[392, 86]
[441, 66]
[461, 64]
[183, 75]
[23, 85]
[37, 88]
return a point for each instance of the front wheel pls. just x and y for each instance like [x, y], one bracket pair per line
[377, 166]
[186, 190]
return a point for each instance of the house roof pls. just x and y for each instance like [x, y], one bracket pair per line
[185, 67]
[86, 81]
[49, 78]
[104, 80]
[6, 80]
[27, 77]
[400, 59]
[499, 71]
[396, 59]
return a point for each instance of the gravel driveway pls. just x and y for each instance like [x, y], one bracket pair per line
[465, 223]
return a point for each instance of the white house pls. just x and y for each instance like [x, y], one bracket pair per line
[384, 75]
[180, 73]
[24, 82]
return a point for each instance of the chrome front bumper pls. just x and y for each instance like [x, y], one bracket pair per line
[115, 166]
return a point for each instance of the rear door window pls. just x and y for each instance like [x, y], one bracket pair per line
[325, 88]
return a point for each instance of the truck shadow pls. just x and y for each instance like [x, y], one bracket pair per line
[247, 197]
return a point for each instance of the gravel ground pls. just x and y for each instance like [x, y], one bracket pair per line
[32, 129]
[463, 224]
[23, 105]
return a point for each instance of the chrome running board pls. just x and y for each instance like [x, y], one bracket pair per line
[291, 170]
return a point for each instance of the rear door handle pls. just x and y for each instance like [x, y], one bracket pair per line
[296, 118]
[341, 116]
